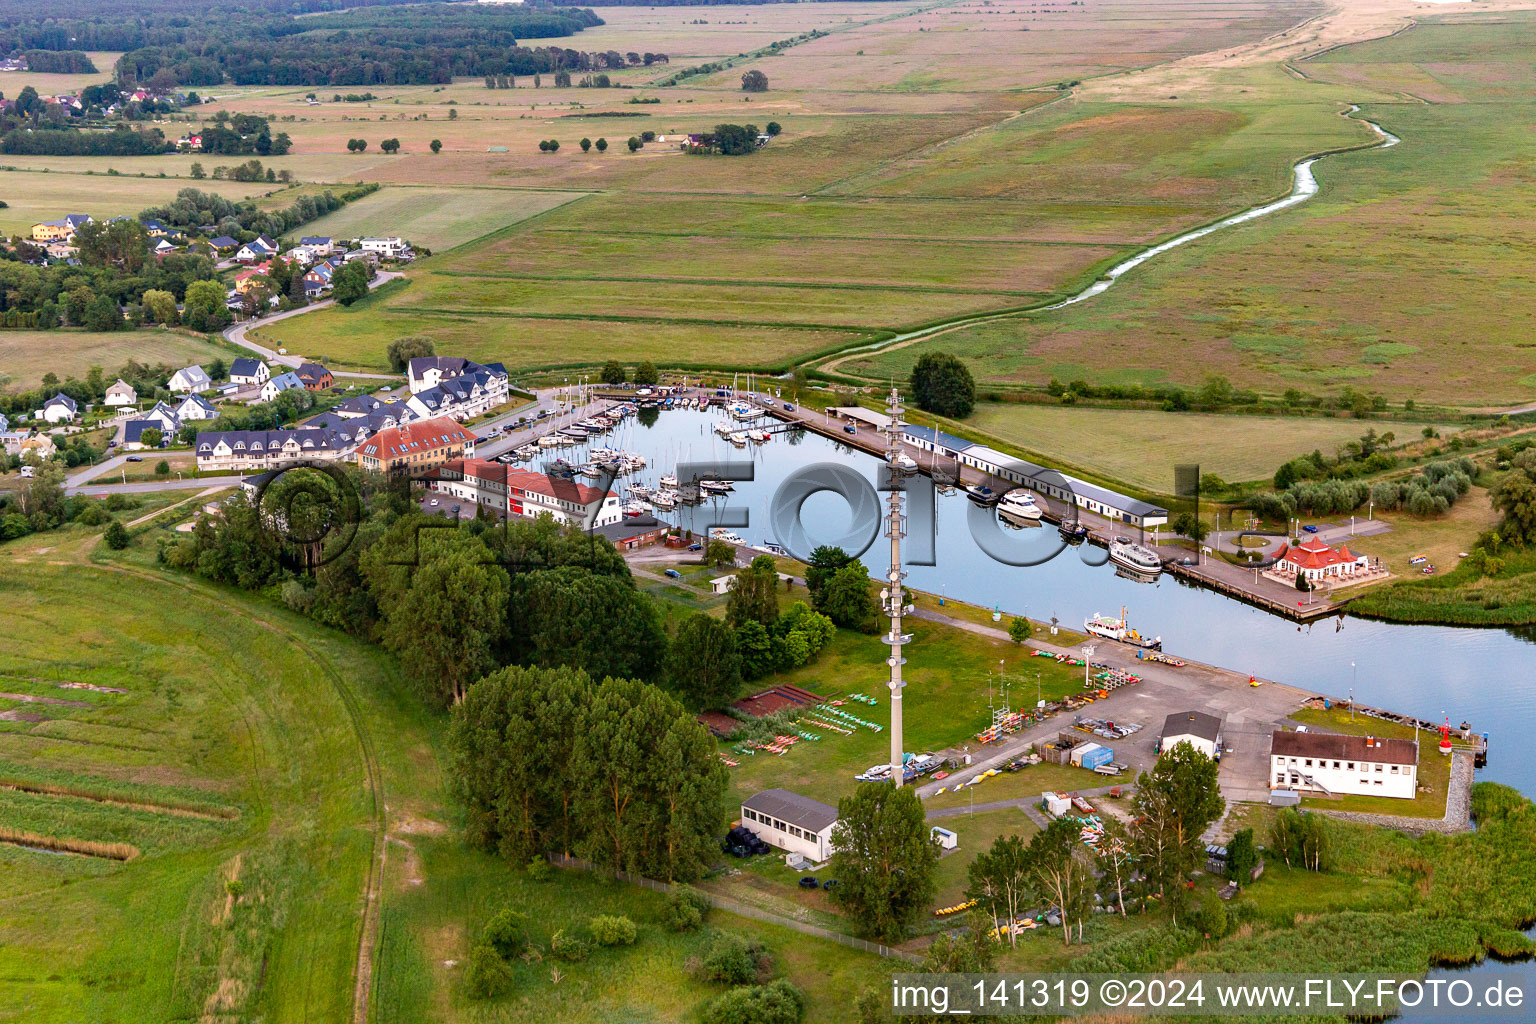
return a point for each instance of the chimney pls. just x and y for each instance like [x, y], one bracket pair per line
[1369, 741]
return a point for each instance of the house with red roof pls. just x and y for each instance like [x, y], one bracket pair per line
[519, 492]
[1318, 562]
[415, 449]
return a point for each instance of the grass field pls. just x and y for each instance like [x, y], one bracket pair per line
[35, 196]
[1141, 447]
[438, 218]
[25, 356]
[12, 82]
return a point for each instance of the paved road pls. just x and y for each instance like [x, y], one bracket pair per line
[235, 333]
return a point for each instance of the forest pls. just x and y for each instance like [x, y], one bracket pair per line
[265, 45]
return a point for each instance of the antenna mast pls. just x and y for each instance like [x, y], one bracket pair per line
[894, 596]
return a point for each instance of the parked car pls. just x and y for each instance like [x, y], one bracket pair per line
[1310, 528]
[455, 510]
[674, 574]
[850, 429]
[135, 458]
[789, 406]
[434, 503]
[695, 547]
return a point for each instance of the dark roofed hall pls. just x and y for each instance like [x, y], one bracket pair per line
[802, 811]
[1192, 723]
[1339, 747]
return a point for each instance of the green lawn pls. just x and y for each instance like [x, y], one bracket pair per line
[27, 355]
[436, 217]
[37, 195]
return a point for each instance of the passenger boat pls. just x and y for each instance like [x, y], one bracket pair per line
[981, 494]
[1019, 504]
[717, 533]
[1111, 628]
[905, 463]
[1127, 554]
[591, 471]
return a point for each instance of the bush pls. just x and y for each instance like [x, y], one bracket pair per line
[568, 947]
[540, 870]
[93, 514]
[775, 1003]
[685, 909]
[1205, 912]
[507, 933]
[116, 536]
[734, 961]
[488, 975]
[608, 930]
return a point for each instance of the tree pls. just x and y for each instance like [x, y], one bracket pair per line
[613, 372]
[436, 145]
[444, 624]
[825, 561]
[121, 244]
[1001, 879]
[1285, 476]
[1019, 629]
[847, 601]
[402, 350]
[586, 144]
[390, 145]
[778, 1002]
[350, 283]
[602, 145]
[103, 315]
[116, 536]
[941, 384]
[1115, 860]
[883, 860]
[1302, 583]
[773, 128]
[204, 308]
[645, 374]
[159, 306]
[1175, 803]
[595, 621]
[357, 145]
[1059, 876]
[488, 975]
[754, 594]
[703, 666]
[970, 952]
[554, 145]
[1242, 856]
[151, 437]
[197, 171]
[634, 143]
[1514, 497]
[718, 552]
[1189, 525]
[162, 468]
[754, 81]
[756, 649]
[1300, 839]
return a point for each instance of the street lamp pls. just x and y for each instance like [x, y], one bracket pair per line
[1352, 679]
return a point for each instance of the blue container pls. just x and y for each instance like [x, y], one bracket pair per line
[1098, 758]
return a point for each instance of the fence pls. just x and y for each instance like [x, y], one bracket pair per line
[732, 907]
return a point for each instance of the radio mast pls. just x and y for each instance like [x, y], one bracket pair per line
[894, 596]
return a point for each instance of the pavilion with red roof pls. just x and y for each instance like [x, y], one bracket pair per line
[1316, 561]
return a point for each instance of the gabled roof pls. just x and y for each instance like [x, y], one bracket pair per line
[1314, 553]
[1192, 723]
[133, 430]
[285, 382]
[410, 438]
[937, 437]
[802, 811]
[1338, 747]
[223, 242]
[315, 240]
[193, 373]
[61, 399]
[245, 367]
[120, 386]
[262, 441]
[199, 401]
[312, 372]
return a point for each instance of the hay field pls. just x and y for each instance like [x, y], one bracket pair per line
[36, 196]
[12, 82]
[25, 356]
[438, 218]
[1141, 447]
[1395, 279]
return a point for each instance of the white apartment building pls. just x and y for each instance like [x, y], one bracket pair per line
[1325, 762]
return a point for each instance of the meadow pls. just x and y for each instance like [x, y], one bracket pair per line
[33, 196]
[25, 356]
[1141, 446]
[437, 218]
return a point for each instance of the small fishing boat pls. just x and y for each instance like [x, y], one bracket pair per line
[1127, 554]
[1072, 531]
[981, 494]
[739, 439]
[717, 533]
[1019, 504]
[741, 411]
[1111, 628]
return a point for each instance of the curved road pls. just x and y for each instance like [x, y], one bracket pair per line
[235, 333]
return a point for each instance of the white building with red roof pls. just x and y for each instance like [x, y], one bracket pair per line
[519, 492]
[415, 449]
[1318, 562]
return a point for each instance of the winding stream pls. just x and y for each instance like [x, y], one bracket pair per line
[1304, 186]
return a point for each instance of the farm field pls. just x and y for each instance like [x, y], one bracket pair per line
[1426, 228]
[1141, 447]
[438, 218]
[12, 82]
[26, 356]
[37, 196]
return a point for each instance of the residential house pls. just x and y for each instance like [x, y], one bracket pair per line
[61, 230]
[635, 532]
[314, 376]
[417, 448]
[121, 393]
[321, 245]
[277, 385]
[791, 822]
[387, 248]
[224, 243]
[38, 446]
[59, 409]
[366, 405]
[254, 450]
[196, 407]
[256, 251]
[166, 414]
[1198, 729]
[425, 372]
[249, 372]
[5, 422]
[462, 397]
[251, 278]
[190, 378]
[1317, 561]
[356, 428]
[520, 492]
[190, 142]
[317, 279]
[1325, 762]
[163, 248]
[155, 228]
[133, 433]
